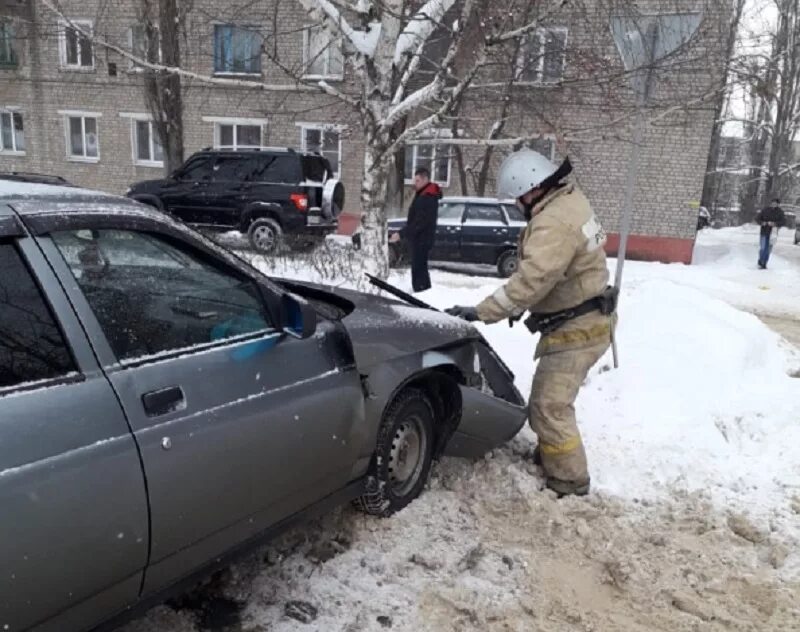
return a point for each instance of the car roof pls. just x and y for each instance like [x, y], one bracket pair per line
[229, 151]
[473, 200]
[28, 198]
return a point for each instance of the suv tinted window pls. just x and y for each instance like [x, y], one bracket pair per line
[282, 168]
[31, 345]
[197, 169]
[236, 168]
[484, 213]
[152, 295]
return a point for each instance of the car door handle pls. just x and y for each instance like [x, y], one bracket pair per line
[163, 401]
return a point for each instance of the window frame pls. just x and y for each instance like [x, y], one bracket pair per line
[132, 65]
[73, 376]
[436, 148]
[541, 36]
[70, 114]
[138, 118]
[322, 128]
[255, 31]
[13, 111]
[218, 121]
[327, 75]
[7, 39]
[62, 44]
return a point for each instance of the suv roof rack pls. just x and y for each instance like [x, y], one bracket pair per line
[287, 150]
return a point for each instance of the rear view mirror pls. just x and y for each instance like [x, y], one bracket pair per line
[299, 319]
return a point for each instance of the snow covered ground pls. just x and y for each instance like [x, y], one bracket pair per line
[694, 520]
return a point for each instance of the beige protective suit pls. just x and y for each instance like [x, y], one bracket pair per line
[561, 265]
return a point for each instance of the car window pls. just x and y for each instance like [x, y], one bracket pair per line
[32, 347]
[484, 213]
[451, 212]
[197, 169]
[153, 295]
[280, 168]
[226, 168]
[513, 212]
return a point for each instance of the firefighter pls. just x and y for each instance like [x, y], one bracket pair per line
[562, 280]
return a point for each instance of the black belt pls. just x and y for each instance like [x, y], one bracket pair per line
[546, 324]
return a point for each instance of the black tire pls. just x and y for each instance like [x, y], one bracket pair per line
[265, 235]
[403, 455]
[507, 263]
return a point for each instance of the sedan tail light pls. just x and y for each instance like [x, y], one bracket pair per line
[300, 201]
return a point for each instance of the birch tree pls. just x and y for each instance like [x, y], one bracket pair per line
[399, 89]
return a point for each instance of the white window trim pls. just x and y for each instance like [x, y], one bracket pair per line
[429, 135]
[325, 76]
[132, 67]
[228, 120]
[62, 44]
[67, 114]
[322, 127]
[134, 118]
[13, 109]
[541, 34]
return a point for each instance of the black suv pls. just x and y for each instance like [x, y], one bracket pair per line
[274, 195]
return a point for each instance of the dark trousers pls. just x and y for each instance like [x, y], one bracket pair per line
[420, 277]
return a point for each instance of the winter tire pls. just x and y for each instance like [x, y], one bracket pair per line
[403, 455]
[507, 263]
[265, 235]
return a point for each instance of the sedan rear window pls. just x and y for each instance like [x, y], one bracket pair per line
[32, 348]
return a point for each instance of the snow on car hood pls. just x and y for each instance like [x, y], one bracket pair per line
[382, 329]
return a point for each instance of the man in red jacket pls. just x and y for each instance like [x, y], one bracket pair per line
[420, 229]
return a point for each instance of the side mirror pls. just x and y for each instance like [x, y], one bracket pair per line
[299, 319]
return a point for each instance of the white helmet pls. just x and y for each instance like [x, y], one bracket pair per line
[522, 171]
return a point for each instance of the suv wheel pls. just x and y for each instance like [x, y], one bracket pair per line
[403, 455]
[507, 263]
[265, 235]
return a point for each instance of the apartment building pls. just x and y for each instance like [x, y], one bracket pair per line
[72, 107]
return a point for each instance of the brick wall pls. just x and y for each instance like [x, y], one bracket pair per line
[672, 160]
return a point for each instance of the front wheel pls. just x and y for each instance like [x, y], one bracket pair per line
[403, 455]
[507, 263]
[265, 235]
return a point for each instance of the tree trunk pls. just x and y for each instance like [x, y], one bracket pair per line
[163, 91]
[711, 184]
[374, 189]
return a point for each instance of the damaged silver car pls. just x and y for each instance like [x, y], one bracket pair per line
[163, 405]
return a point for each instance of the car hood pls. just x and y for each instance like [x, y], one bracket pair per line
[145, 186]
[382, 329]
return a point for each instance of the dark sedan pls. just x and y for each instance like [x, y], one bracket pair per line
[471, 230]
[163, 404]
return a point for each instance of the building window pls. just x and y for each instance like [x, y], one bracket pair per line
[325, 140]
[76, 48]
[145, 43]
[237, 50]
[543, 56]
[238, 136]
[436, 158]
[82, 140]
[147, 149]
[322, 57]
[12, 133]
[8, 56]
[545, 145]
